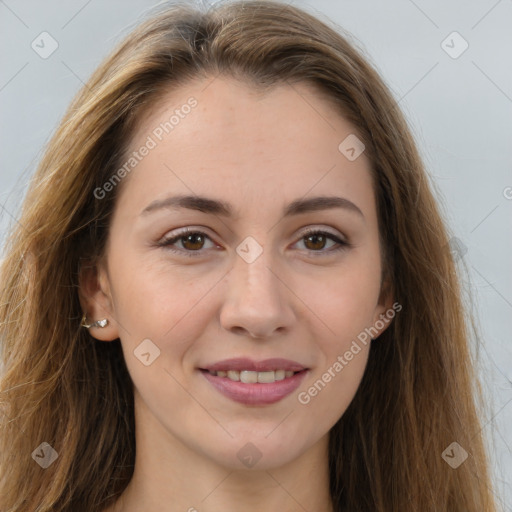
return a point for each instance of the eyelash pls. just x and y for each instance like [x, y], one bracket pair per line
[168, 242]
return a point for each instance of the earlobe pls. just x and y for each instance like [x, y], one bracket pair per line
[97, 323]
[385, 311]
[96, 302]
[380, 323]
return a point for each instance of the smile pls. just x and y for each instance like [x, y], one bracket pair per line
[255, 388]
[250, 377]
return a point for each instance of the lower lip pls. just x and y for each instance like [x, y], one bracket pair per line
[255, 394]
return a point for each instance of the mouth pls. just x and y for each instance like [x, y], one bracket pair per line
[251, 377]
[255, 383]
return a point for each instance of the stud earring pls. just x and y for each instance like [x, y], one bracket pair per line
[98, 323]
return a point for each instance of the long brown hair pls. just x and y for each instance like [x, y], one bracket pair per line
[419, 392]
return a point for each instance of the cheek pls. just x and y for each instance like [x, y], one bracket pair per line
[343, 308]
[332, 386]
[343, 299]
[331, 389]
[169, 308]
[157, 298]
[165, 307]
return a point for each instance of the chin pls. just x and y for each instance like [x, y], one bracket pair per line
[259, 452]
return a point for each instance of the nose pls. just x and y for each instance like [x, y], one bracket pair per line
[257, 301]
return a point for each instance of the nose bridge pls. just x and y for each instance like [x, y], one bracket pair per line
[255, 284]
[255, 299]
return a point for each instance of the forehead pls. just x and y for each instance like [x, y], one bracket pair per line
[220, 137]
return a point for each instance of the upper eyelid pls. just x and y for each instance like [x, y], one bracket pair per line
[204, 231]
[307, 230]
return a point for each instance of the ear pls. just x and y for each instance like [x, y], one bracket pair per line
[96, 300]
[386, 309]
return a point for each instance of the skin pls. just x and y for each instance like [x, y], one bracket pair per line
[298, 300]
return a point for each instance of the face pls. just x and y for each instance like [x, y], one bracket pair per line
[247, 283]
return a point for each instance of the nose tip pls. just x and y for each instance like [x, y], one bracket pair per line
[258, 325]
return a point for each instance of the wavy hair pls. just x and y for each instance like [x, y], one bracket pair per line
[420, 391]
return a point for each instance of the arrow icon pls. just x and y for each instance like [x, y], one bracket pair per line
[351, 147]
[454, 455]
[454, 45]
[249, 455]
[247, 252]
[44, 45]
[44, 455]
[146, 352]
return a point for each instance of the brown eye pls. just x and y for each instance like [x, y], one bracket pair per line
[315, 242]
[192, 241]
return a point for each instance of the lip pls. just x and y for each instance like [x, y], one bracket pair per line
[258, 393]
[255, 394]
[243, 363]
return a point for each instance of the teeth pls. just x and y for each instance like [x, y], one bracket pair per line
[250, 377]
[265, 377]
[279, 374]
[233, 375]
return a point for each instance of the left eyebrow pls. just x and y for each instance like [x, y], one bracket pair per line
[221, 208]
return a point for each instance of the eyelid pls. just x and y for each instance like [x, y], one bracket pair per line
[306, 231]
[316, 229]
[181, 232]
[341, 240]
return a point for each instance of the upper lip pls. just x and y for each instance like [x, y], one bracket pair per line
[243, 363]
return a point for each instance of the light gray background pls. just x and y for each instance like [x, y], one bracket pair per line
[459, 108]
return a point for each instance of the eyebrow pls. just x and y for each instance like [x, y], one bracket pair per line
[221, 208]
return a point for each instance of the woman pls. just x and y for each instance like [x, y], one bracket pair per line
[231, 287]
